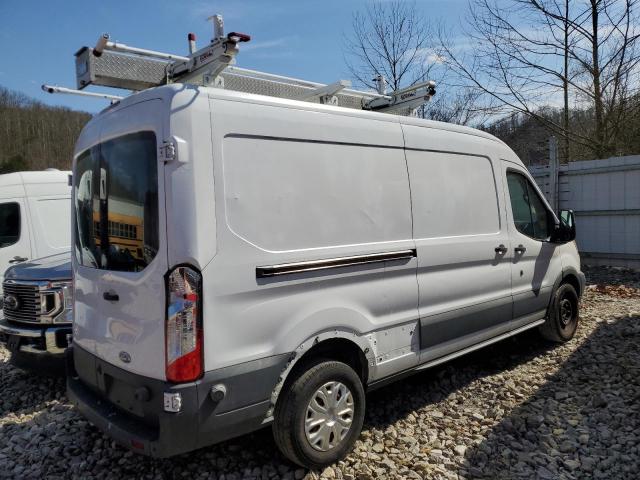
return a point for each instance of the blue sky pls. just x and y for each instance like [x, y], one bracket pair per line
[296, 38]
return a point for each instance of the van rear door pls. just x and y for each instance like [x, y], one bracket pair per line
[120, 241]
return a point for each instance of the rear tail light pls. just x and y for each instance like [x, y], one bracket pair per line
[184, 325]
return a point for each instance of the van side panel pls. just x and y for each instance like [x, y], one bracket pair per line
[51, 222]
[459, 221]
[298, 186]
[49, 204]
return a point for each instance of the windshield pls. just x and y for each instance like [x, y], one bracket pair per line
[116, 204]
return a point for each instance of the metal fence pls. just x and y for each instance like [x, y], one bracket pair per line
[605, 195]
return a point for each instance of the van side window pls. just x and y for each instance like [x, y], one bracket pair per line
[9, 224]
[530, 215]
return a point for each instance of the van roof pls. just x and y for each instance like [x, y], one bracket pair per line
[37, 177]
[167, 92]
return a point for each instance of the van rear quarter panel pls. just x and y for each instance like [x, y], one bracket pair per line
[297, 163]
[189, 184]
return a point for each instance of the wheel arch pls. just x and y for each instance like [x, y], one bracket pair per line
[569, 275]
[572, 280]
[345, 346]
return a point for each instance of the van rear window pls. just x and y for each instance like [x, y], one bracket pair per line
[116, 203]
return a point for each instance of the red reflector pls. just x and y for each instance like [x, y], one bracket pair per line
[137, 444]
[186, 368]
[239, 37]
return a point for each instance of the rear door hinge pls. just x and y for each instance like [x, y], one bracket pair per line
[174, 150]
[168, 151]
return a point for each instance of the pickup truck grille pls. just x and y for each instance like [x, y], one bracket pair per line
[27, 302]
[31, 302]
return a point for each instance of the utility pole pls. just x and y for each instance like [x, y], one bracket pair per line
[554, 169]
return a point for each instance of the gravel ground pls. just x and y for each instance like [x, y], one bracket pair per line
[519, 409]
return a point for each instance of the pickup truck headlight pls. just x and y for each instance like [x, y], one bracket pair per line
[64, 291]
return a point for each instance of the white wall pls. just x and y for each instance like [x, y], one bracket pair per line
[605, 195]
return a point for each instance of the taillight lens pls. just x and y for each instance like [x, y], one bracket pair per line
[184, 325]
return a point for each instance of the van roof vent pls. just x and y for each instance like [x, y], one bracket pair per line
[116, 65]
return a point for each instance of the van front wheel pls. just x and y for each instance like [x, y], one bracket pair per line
[319, 416]
[562, 319]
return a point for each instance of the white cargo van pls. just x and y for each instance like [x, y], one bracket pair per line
[243, 260]
[35, 215]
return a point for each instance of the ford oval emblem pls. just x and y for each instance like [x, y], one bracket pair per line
[10, 302]
[125, 357]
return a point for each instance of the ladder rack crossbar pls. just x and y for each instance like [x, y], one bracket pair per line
[121, 47]
[299, 82]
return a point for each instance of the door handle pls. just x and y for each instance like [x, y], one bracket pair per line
[110, 296]
[520, 249]
[501, 249]
[18, 259]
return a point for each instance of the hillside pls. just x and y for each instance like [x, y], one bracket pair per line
[34, 136]
[530, 139]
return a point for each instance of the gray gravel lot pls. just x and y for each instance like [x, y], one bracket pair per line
[519, 409]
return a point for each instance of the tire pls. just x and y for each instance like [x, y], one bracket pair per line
[562, 318]
[322, 379]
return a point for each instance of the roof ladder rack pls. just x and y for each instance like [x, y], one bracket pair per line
[117, 65]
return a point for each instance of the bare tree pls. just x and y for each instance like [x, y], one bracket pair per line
[389, 39]
[527, 53]
[462, 108]
[34, 136]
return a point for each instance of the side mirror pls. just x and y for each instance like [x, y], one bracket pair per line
[565, 231]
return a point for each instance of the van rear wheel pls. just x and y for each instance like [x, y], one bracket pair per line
[562, 319]
[319, 416]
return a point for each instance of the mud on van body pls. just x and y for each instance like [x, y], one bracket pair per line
[242, 260]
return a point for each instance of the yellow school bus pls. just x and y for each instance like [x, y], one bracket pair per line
[125, 227]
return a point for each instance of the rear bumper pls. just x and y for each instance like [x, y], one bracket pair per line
[130, 408]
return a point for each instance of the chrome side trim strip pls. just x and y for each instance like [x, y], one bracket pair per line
[315, 265]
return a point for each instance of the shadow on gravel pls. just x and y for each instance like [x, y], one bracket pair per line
[583, 423]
